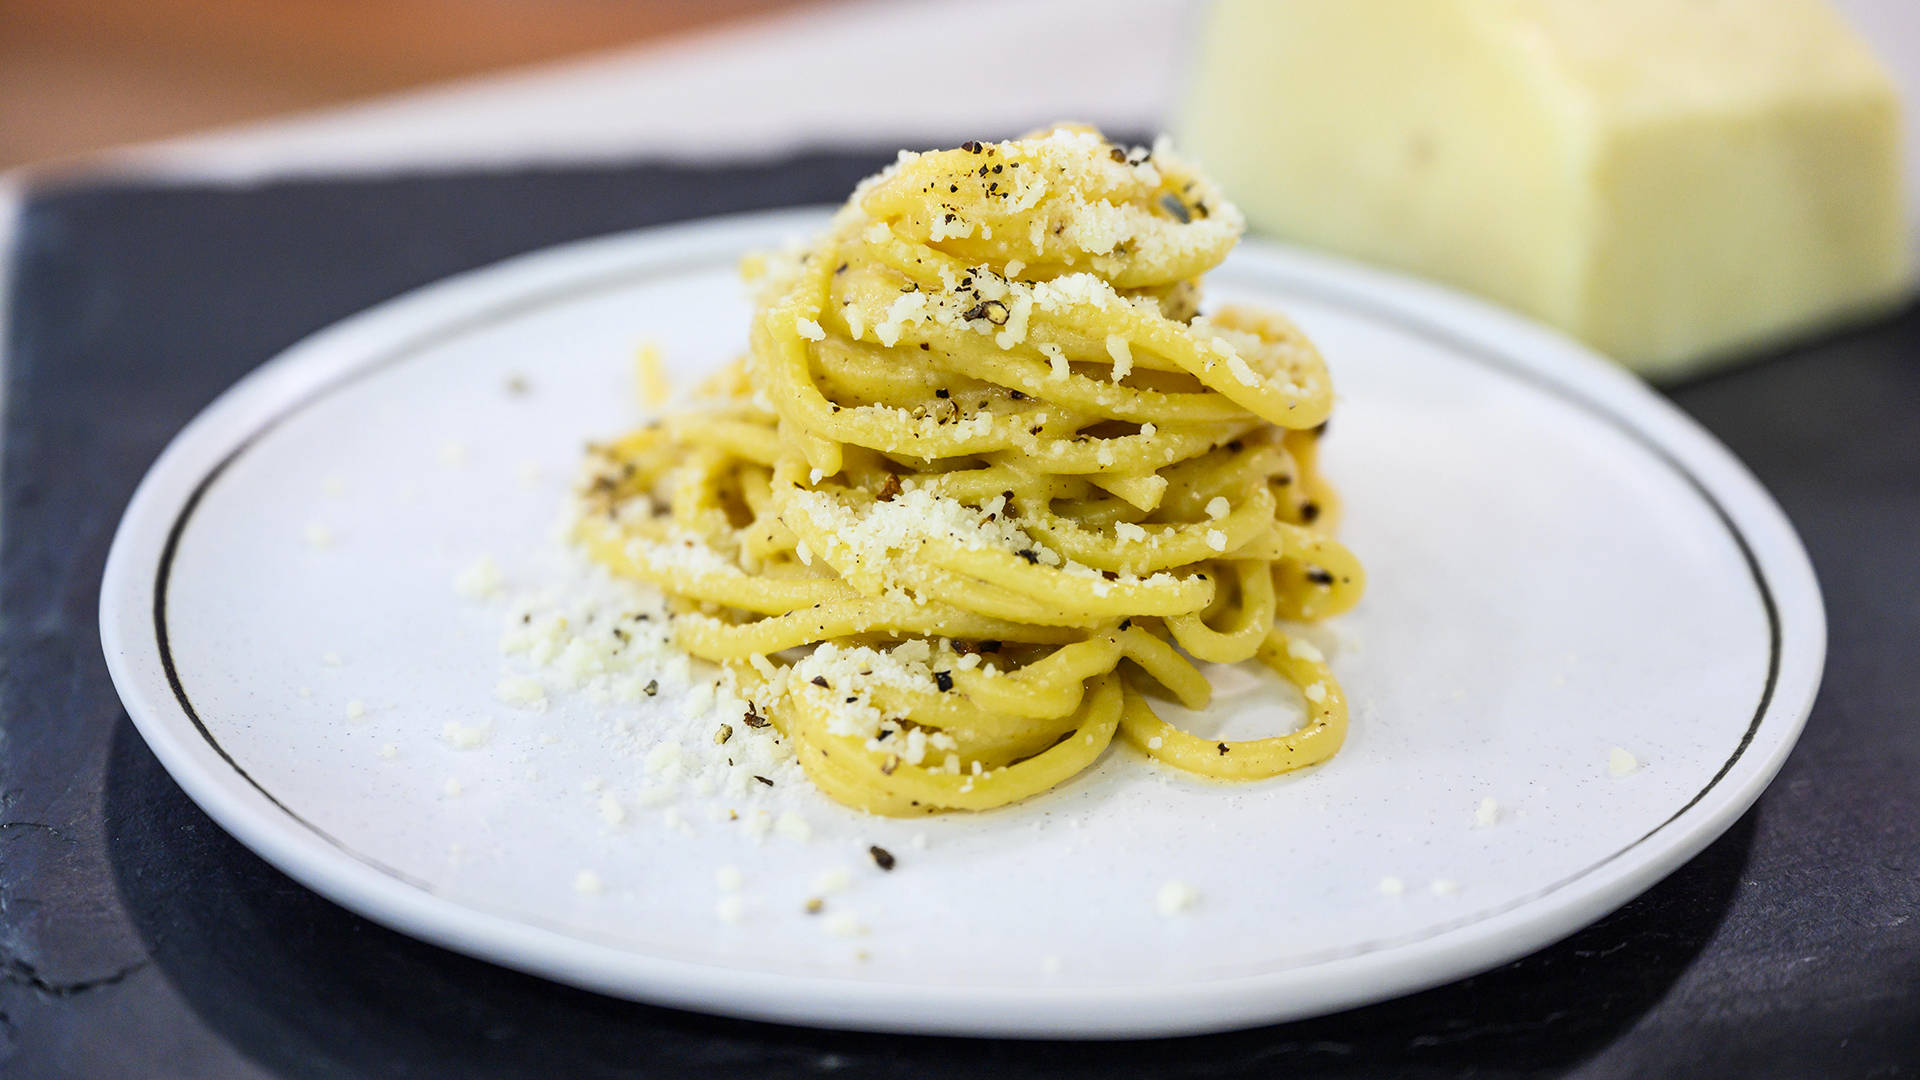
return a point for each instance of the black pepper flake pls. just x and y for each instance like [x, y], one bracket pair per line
[943, 393]
[1309, 511]
[1171, 204]
[769, 783]
[925, 347]
[525, 619]
[993, 311]
[1319, 576]
[853, 699]
[1126, 624]
[753, 719]
[841, 269]
[970, 146]
[1222, 747]
[882, 858]
[943, 680]
[1028, 554]
[653, 687]
[1016, 395]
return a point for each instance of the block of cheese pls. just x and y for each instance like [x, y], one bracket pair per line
[1678, 182]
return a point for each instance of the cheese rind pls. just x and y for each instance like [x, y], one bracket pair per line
[1676, 183]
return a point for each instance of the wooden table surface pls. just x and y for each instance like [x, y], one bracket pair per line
[82, 75]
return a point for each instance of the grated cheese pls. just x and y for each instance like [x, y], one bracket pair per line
[522, 691]
[1621, 762]
[462, 737]
[479, 580]
[1175, 897]
[1122, 354]
[793, 827]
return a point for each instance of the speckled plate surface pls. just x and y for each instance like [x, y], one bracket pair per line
[1561, 565]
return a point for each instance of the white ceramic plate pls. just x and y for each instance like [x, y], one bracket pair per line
[1560, 562]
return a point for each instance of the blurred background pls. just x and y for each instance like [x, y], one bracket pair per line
[1757, 133]
[82, 75]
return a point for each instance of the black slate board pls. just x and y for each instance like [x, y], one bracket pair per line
[138, 939]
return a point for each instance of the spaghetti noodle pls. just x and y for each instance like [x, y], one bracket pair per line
[987, 480]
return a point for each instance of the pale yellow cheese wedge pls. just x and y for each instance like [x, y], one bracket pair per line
[1678, 182]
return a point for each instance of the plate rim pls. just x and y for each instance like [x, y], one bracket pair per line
[1451, 950]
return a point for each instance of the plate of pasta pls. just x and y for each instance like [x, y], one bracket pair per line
[1011, 602]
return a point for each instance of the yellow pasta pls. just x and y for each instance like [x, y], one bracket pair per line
[987, 481]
